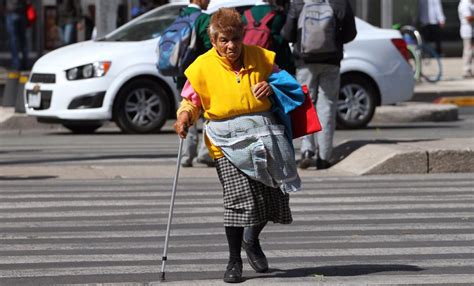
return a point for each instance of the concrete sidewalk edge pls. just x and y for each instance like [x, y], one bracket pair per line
[419, 157]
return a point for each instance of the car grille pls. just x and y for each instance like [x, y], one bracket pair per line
[43, 78]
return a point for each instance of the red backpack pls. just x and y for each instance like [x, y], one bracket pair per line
[258, 33]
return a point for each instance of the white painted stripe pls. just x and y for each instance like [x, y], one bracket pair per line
[186, 257]
[196, 201]
[267, 239]
[405, 228]
[122, 191]
[200, 267]
[216, 218]
[134, 210]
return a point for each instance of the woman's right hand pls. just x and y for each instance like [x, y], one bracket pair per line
[182, 124]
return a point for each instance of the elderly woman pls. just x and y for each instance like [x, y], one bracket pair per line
[254, 159]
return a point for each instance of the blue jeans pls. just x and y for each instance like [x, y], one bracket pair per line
[323, 82]
[68, 32]
[16, 29]
[190, 146]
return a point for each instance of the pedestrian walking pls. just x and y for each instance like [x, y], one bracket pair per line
[284, 57]
[254, 159]
[466, 17]
[16, 24]
[192, 148]
[318, 53]
[69, 17]
[432, 21]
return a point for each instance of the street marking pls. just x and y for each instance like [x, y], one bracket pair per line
[457, 100]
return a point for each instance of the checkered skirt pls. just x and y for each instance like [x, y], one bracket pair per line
[248, 202]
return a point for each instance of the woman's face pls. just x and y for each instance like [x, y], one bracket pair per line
[228, 46]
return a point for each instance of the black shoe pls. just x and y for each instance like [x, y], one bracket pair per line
[306, 160]
[255, 256]
[233, 274]
[322, 164]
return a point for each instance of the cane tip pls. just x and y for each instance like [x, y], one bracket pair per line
[162, 276]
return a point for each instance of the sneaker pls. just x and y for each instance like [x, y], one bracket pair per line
[233, 273]
[255, 256]
[206, 161]
[468, 75]
[322, 164]
[306, 160]
[186, 162]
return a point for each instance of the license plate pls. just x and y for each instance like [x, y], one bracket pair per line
[34, 99]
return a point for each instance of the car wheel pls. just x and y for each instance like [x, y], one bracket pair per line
[141, 107]
[82, 128]
[357, 101]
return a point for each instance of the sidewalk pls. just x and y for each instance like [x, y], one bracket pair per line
[451, 85]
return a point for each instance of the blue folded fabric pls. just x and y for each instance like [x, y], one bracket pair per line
[288, 95]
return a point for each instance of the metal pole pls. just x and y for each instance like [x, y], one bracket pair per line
[170, 214]
[387, 13]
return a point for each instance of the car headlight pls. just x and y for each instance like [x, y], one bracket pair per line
[97, 69]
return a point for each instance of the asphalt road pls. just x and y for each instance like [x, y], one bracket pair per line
[108, 145]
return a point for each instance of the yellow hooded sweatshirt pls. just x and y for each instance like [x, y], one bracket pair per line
[223, 92]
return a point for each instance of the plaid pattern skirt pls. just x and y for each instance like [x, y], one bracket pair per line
[248, 202]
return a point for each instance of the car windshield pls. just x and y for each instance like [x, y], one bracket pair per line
[148, 27]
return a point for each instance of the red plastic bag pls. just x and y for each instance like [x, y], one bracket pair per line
[304, 119]
[30, 14]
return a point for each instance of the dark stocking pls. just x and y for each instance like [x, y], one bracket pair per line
[251, 233]
[234, 239]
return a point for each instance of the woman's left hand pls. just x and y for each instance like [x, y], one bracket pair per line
[262, 90]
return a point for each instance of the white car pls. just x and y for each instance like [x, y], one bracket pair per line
[84, 85]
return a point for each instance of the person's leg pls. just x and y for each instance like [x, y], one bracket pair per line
[306, 76]
[436, 33]
[22, 42]
[233, 272]
[11, 20]
[68, 34]
[190, 147]
[467, 57]
[251, 243]
[251, 233]
[203, 156]
[329, 82]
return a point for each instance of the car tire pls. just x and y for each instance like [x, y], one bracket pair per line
[357, 101]
[82, 128]
[141, 107]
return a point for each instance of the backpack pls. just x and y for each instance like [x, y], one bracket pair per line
[177, 46]
[317, 27]
[258, 33]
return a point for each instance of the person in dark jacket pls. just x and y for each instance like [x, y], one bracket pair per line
[284, 57]
[16, 23]
[69, 16]
[320, 72]
[203, 44]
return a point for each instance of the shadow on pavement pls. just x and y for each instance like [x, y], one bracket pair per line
[340, 270]
[412, 126]
[87, 158]
[23, 178]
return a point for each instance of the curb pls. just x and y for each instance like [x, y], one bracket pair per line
[415, 112]
[418, 157]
